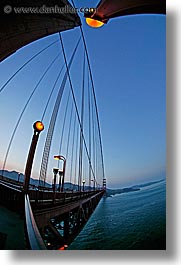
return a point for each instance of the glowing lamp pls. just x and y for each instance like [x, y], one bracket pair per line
[59, 157]
[56, 157]
[38, 126]
[94, 23]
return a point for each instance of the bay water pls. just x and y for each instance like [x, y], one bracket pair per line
[128, 221]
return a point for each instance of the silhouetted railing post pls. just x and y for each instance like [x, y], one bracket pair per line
[38, 127]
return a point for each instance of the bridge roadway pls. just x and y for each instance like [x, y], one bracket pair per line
[52, 220]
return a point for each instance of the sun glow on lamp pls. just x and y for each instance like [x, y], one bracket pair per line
[94, 23]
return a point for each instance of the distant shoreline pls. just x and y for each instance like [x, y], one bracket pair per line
[109, 192]
[112, 192]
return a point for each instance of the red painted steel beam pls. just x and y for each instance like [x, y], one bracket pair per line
[22, 22]
[107, 9]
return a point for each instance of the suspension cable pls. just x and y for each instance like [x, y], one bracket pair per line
[27, 62]
[94, 96]
[76, 155]
[75, 104]
[22, 112]
[89, 117]
[68, 140]
[53, 88]
[63, 126]
[72, 153]
[93, 88]
[46, 151]
[70, 123]
[82, 124]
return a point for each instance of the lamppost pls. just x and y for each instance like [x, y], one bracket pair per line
[38, 127]
[83, 182]
[94, 183]
[55, 171]
[104, 184]
[62, 173]
[19, 175]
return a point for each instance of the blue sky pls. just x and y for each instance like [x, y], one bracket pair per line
[128, 57]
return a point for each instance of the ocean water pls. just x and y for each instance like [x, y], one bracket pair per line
[129, 221]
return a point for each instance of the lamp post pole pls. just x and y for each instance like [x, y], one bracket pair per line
[63, 177]
[83, 182]
[60, 157]
[94, 184]
[38, 127]
[19, 174]
[55, 171]
[60, 178]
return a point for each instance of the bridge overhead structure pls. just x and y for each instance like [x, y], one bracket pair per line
[19, 28]
[107, 9]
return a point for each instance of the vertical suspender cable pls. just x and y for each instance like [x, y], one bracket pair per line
[96, 108]
[46, 151]
[75, 104]
[63, 127]
[22, 112]
[97, 115]
[26, 63]
[82, 124]
[76, 155]
[52, 90]
[68, 140]
[70, 123]
[72, 153]
[89, 114]
[93, 137]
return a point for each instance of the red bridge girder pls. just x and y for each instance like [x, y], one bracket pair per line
[107, 9]
[19, 29]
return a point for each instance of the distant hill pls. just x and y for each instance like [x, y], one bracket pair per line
[147, 184]
[111, 192]
[14, 175]
[69, 186]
